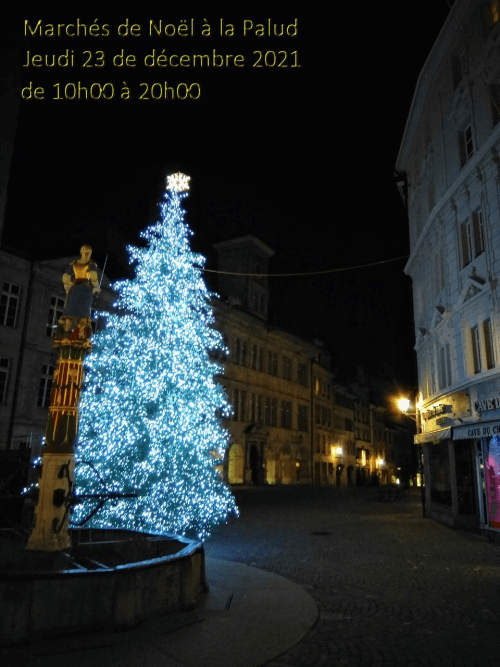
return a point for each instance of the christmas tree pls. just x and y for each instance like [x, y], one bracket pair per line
[150, 412]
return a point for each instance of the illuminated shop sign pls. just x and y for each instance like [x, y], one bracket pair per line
[435, 411]
[487, 404]
[477, 431]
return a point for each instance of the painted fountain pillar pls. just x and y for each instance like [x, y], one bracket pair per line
[72, 342]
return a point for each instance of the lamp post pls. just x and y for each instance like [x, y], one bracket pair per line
[404, 406]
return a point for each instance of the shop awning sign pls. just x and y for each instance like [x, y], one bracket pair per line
[471, 431]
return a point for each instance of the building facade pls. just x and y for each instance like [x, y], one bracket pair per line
[449, 175]
[31, 301]
[292, 422]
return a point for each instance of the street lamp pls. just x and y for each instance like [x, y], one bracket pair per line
[404, 406]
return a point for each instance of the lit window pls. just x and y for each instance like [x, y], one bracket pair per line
[495, 11]
[490, 16]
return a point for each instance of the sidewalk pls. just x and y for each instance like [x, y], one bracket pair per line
[248, 618]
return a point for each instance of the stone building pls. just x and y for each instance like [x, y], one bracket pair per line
[448, 169]
[292, 422]
[31, 301]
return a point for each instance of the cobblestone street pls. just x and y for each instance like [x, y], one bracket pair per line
[392, 588]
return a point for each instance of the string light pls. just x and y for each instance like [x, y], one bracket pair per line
[306, 273]
[149, 408]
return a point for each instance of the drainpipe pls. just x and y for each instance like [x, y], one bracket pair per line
[312, 422]
[24, 334]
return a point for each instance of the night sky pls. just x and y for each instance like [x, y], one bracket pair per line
[302, 158]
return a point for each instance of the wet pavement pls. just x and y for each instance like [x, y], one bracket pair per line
[392, 587]
[312, 576]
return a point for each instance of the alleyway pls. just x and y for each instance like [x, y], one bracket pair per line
[392, 587]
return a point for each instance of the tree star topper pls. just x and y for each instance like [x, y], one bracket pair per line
[178, 182]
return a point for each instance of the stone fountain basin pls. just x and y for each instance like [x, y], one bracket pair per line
[110, 579]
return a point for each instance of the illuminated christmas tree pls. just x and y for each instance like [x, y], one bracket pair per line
[150, 413]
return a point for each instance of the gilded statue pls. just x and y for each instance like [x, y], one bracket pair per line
[81, 282]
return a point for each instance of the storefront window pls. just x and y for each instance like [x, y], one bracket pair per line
[464, 472]
[492, 465]
[439, 463]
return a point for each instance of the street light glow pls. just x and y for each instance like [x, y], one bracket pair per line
[404, 404]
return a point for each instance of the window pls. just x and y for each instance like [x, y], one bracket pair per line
[459, 68]
[240, 405]
[490, 15]
[236, 405]
[472, 238]
[45, 386]
[240, 352]
[444, 366]
[243, 406]
[274, 412]
[302, 374]
[9, 302]
[55, 312]
[302, 421]
[286, 414]
[476, 349]
[466, 145]
[256, 409]
[267, 411]
[259, 409]
[478, 232]
[495, 102]
[438, 271]
[272, 363]
[257, 300]
[488, 344]
[287, 368]
[495, 11]
[343, 401]
[253, 408]
[254, 355]
[257, 358]
[4, 379]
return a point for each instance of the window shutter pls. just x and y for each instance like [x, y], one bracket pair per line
[488, 344]
[477, 222]
[465, 244]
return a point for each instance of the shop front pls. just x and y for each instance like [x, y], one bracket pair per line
[484, 441]
[461, 446]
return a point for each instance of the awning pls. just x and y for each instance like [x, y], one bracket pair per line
[478, 430]
[433, 436]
